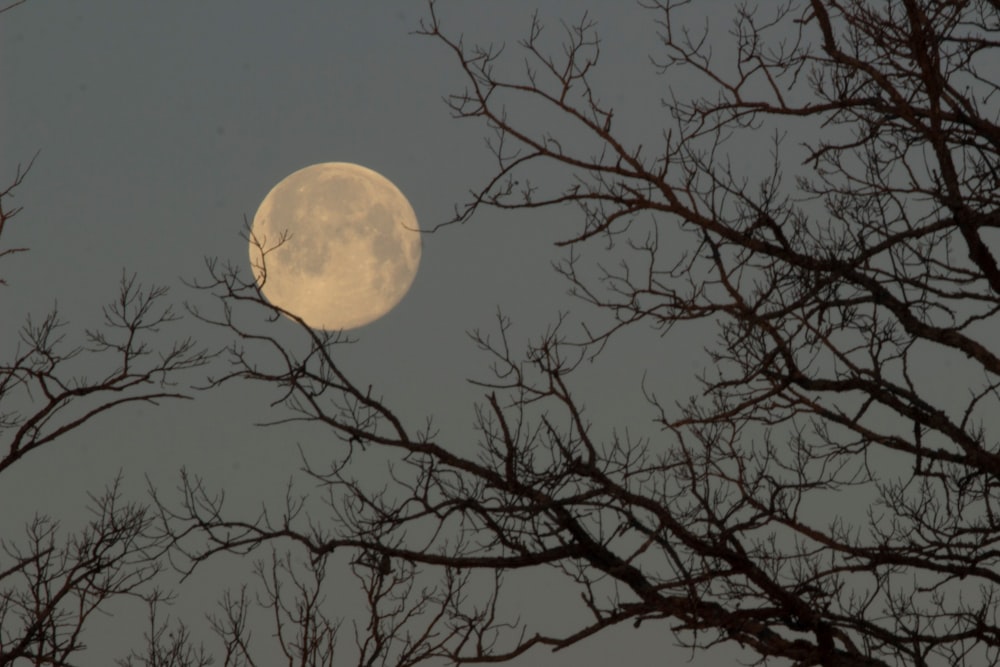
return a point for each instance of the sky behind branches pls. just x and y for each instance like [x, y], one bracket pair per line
[159, 127]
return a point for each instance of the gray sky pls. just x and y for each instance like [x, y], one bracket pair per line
[160, 125]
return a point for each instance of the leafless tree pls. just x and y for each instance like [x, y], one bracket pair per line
[839, 293]
[54, 580]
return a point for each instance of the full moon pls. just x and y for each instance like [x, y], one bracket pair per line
[335, 244]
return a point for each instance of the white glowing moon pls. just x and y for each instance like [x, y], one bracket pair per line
[352, 250]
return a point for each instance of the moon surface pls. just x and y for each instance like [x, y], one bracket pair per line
[351, 245]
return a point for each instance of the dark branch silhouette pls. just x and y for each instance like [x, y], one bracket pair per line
[843, 274]
[54, 579]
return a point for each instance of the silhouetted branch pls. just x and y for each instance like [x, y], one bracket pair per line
[838, 296]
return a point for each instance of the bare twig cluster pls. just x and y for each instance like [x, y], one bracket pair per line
[54, 580]
[840, 292]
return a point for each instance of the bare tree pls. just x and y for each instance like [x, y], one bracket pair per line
[53, 583]
[53, 580]
[838, 293]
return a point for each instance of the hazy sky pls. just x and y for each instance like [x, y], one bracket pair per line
[161, 125]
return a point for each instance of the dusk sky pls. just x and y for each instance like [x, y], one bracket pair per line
[160, 126]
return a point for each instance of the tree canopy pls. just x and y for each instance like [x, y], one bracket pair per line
[843, 275]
